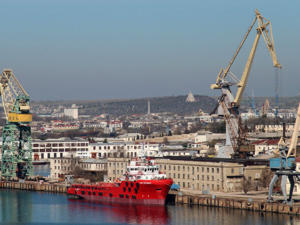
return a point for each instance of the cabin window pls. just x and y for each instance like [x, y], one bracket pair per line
[110, 194]
[131, 184]
[94, 193]
[127, 196]
[129, 189]
[121, 195]
[124, 189]
[133, 196]
[100, 194]
[89, 192]
[82, 192]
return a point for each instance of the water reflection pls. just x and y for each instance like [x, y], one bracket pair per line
[223, 216]
[15, 206]
[122, 213]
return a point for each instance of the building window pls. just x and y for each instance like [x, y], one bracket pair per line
[202, 169]
[212, 170]
[218, 170]
[207, 169]
[232, 170]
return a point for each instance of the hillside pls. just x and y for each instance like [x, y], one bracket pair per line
[175, 104]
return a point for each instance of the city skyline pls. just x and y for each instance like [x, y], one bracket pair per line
[69, 50]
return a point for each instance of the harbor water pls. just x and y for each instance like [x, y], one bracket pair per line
[25, 207]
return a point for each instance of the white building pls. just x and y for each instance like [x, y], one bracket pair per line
[130, 150]
[265, 146]
[58, 148]
[72, 112]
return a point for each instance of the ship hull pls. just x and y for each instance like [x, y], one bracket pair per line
[148, 192]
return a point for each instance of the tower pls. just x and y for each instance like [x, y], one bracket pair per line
[149, 108]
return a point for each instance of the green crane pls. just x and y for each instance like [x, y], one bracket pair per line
[16, 134]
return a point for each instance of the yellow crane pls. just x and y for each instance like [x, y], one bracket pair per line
[228, 103]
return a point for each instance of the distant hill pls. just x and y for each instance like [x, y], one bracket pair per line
[175, 104]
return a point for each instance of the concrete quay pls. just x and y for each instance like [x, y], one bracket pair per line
[33, 186]
[258, 204]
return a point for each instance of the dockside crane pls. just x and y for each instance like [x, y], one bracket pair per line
[228, 104]
[16, 133]
[284, 165]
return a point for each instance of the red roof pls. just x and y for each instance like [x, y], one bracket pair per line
[266, 142]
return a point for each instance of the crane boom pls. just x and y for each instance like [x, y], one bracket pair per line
[261, 30]
[294, 139]
[228, 104]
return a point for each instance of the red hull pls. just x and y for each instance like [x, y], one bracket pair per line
[150, 192]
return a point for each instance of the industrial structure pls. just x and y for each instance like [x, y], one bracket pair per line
[228, 104]
[16, 134]
[285, 164]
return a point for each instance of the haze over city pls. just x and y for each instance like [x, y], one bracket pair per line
[64, 50]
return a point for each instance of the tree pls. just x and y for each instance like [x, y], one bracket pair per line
[265, 178]
[217, 127]
[165, 141]
[246, 184]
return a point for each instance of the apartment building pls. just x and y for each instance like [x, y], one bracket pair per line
[58, 148]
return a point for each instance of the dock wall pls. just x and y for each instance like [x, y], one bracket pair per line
[33, 186]
[244, 204]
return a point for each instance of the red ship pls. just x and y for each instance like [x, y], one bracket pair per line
[142, 184]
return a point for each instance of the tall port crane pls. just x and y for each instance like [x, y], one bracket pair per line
[228, 105]
[16, 134]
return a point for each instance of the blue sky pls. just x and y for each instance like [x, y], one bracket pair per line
[72, 49]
